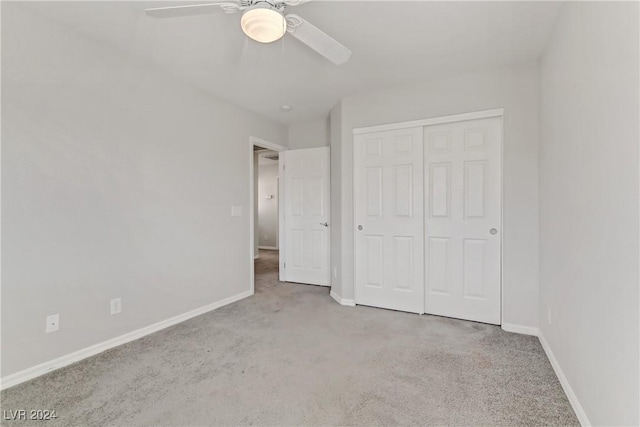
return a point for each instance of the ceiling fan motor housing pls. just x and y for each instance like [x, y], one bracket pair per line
[264, 22]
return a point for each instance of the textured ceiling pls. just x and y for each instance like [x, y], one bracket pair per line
[393, 43]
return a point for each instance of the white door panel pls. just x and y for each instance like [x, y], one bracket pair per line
[463, 205]
[306, 216]
[389, 220]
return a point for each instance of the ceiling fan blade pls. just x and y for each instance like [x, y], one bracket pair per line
[317, 40]
[192, 9]
[294, 2]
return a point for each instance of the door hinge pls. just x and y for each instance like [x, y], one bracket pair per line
[285, 265]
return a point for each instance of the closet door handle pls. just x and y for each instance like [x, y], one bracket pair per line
[493, 231]
[326, 224]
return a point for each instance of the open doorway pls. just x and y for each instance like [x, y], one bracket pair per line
[266, 241]
[266, 225]
[303, 206]
[265, 213]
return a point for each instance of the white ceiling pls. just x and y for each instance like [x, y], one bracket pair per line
[393, 43]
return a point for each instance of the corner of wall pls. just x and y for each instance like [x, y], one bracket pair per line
[335, 142]
[311, 134]
[566, 386]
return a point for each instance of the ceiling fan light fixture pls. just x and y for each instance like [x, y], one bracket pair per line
[263, 23]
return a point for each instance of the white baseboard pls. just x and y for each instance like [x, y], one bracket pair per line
[568, 390]
[573, 399]
[256, 256]
[342, 301]
[43, 368]
[269, 248]
[519, 329]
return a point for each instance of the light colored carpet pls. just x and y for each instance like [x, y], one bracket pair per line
[290, 355]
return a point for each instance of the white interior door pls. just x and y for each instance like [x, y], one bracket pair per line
[389, 263]
[306, 216]
[463, 219]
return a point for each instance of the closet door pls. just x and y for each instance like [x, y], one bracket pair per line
[389, 219]
[463, 219]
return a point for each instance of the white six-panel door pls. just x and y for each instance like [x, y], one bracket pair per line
[389, 220]
[432, 248]
[463, 219]
[306, 216]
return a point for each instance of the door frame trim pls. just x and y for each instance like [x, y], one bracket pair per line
[431, 121]
[269, 146]
[463, 117]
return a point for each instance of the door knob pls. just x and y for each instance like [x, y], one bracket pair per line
[360, 227]
[326, 224]
[493, 231]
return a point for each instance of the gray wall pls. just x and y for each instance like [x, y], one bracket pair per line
[515, 90]
[337, 231]
[309, 134]
[113, 185]
[268, 208]
[589, 206]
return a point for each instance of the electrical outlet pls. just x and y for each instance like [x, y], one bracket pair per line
[53, 323]
[116, 305]
[236, 210]
[548, 314]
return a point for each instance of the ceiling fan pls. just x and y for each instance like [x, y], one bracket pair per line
[266, 21]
